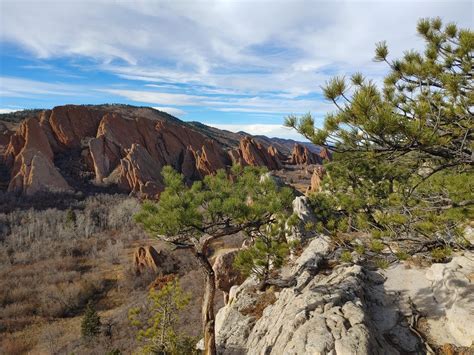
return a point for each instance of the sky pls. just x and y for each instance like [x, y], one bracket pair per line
[237, 65]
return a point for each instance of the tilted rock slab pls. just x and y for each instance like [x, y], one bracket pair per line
[302, 155]
[324, 313]
[253, 153]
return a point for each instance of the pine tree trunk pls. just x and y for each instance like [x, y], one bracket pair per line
[208, 320]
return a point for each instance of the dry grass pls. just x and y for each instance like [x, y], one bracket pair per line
[52, 262]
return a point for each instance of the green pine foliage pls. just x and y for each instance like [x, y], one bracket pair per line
[157, 322]
[221, 204]
[265, 254]
[90, 326]
[403, 154]
[242, 200]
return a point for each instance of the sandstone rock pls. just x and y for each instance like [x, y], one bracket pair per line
[31, 160]
[302, 155]
[277, 156]
[36, 173]
[29, 136]
[443, 293]
[236, 157]
[316, 177]
[225, 273]
[71, 123]
[166, 143]
[325, 154]
[300, 232]
[189, 168]
[324, 314]
[5, 134]
[147, 258]
[140, 173]
[252, 152]
[210, 159]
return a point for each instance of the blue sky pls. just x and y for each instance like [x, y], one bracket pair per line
[239, 65]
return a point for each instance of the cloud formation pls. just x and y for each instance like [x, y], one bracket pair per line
[266, 57]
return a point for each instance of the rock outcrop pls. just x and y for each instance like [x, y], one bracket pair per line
[125, 150]
[304, 226]
[142, 147]
[253, 153]
[316, 178]
[325, 154]
[321, 314]
[111, 145]
[149, 259]
[70, 124]
[442, 293]
[30, 158]
[140, 172]
[302, 155]
[348, 309]
[225, 273]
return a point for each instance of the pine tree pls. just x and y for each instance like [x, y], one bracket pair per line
[403, 167]
[157, 327]
[222, 204]
[90, 326]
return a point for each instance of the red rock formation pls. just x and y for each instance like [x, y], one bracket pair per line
[5, 134]
[325, 154]
[159, 143]
[302, 155]
[118, 148]
[149, 259]
[210, 158]
[236, 157]
[140, 173]
[31, 161]
[252, 152]
[70, 124]
[318, 174]
[275, 153]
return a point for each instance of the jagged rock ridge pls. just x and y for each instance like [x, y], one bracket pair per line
[121, 146]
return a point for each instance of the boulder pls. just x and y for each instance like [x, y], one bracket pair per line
[225, 273]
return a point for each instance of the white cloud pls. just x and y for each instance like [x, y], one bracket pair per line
[19, 87]
[154, 97]
[224, 103]
[8, 110]
[269, 130]
[222, 48]
[171, 110]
